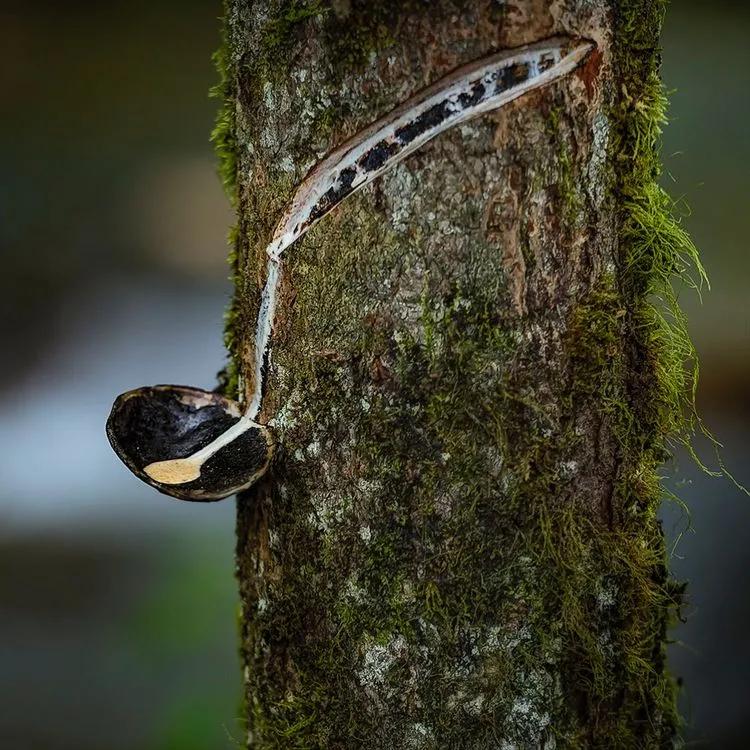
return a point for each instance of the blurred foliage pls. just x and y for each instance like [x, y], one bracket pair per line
[707, 68]
[127, 640]
[166, 621]
[95, 94]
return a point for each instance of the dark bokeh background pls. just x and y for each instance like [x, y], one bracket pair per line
[118, 606]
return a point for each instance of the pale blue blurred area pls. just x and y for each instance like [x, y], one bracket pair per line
[710, 550]
[56, 464]
[117, 604]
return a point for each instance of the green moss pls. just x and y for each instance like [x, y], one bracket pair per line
[224, 140]
[282, 25]
[367, 29]
[657, 252]
[223, 134]
[657, 256]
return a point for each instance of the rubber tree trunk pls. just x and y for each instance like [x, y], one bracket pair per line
[458, 545]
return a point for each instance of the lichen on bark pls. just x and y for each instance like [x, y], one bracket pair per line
[458, 544]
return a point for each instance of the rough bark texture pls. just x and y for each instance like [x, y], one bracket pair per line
[458, 544]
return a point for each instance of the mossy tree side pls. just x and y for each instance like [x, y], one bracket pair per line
[458, 545]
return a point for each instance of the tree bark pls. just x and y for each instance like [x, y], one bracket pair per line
[457, 546]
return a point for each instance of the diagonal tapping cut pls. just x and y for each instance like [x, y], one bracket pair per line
[468, 92]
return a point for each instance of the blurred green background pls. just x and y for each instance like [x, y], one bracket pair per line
[118, 606]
